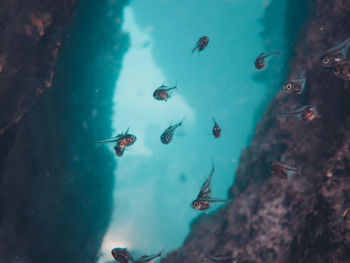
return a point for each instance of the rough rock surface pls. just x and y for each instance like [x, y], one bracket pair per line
[57, 79]
[303, 218]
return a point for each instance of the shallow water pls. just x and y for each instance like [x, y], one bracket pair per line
[155, 183]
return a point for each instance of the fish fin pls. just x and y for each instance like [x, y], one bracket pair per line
[114, 139]
[205, 190]
[182, 121]
[342, 45]
[271, 54]
[216, 200]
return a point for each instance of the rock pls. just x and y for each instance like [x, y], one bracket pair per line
[304, 218]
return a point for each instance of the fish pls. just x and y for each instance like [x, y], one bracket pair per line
[282, 170]
[203, 200]
[306, 113]
[121, 255]
[349, 146]
[124, 137]
[216, 129]
[122, 141]
[342, 70]
[162, 92]
[145, 258]
[336, 54]
[201, 44]
[295, 86]
[260, 60]
[219, 258]
[168, 134]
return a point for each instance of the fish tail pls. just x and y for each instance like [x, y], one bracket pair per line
[271, 54]
[180, 123]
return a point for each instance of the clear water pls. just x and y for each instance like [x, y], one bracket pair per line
[155, 183]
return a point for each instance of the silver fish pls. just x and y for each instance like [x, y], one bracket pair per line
[336, 54]
[306, 113]
[203, 200]
[168, 134]
[282, 170]
[162, 92]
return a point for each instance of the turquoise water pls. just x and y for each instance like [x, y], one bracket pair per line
[155, 183]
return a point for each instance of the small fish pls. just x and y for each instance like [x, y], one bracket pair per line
[282, 170]
[121, 255]
[122, 141]
[168, 134]
[145, 258]
[306, 113]
[336, 54]
[219, 258]
[203, 200]
[201, 44]
[162, 92]
[216, 129]
[295, 86]
[260, 60]
[349, 146]
[128, 139]
[342, 70]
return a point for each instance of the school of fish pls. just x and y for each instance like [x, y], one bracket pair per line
[336, 59]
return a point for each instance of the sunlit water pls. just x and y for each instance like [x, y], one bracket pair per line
[156, 183]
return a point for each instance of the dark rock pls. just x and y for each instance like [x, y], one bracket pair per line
[56, 88]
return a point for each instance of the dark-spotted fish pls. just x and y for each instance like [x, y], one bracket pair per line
[219, 258]
[168, 134]
[201, 44]
[342, 70]
[306, 113]
[282, 170]
[216, 129]
[203, 200]
[145, 258]
[122, 141]
[260, 60]
[295, 86]
[336, 54]
[121, 255]
[162, 92]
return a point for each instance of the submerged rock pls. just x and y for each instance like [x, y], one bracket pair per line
[304, 218]
[57, 81]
